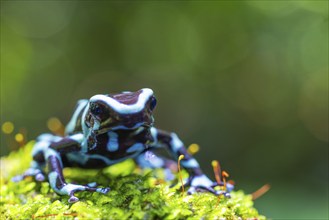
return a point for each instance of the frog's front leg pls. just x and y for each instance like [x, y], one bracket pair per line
[55, 167]
[47, 152]
[175, 146]
[58, 183]
[38, 163]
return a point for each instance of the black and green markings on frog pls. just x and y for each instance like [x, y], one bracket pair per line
[105, 130]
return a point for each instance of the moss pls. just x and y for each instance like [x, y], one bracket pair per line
[134, 194]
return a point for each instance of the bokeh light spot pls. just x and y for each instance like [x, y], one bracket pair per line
[193, 148]
[7, 127]
[54, 124]
[19, 137]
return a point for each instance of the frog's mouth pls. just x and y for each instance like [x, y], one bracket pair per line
[122, 127]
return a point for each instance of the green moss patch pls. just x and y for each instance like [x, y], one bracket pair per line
[134, 194]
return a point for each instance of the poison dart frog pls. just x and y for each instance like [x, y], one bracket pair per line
[105, 130]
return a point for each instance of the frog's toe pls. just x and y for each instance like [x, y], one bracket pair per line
[33, 172]
[73, 199]
[17, 178]
[202, 183]
[229, 187]
[191, 190]
[103, 190]
[194, 189]
[40, 177]
[227, 195]
[224, 193]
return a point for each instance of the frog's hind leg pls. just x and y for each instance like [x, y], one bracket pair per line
[149, 159]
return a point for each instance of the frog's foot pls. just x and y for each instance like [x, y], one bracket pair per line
[71, 189]
[202, 183]
[74, 199]
[33, 172]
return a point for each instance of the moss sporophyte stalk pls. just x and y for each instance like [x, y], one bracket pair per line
[135, 194]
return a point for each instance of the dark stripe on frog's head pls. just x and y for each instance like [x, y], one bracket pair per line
[126, 110]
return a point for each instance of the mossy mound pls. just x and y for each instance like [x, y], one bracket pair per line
[134, 194]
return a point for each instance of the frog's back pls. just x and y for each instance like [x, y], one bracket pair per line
[75, 123]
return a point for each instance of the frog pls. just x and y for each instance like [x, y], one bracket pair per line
[107, 129]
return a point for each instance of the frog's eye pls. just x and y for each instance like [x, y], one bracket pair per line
[153, 103]
[96, 109]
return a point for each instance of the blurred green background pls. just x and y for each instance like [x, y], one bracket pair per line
[247, 80]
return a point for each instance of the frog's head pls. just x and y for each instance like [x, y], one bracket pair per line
[126, 110]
